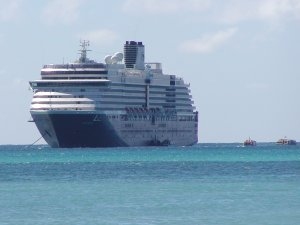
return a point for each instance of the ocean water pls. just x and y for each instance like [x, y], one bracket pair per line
[209, 184]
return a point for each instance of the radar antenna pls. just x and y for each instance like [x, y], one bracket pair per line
[83, 44]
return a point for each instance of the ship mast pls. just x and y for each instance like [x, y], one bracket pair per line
[83, 51]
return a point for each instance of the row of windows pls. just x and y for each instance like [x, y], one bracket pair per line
[75, 65]
[73, 78]
[108, 95]
[142, 90]
[97, 84]
[169, 93]
[155, 87]
[62, 102]
[122, 92]
[104, 103]
[56, 72]
[157, 118]
[158, 131]
[68, 84]
[114, 108]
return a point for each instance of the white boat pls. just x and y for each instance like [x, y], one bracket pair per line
[286, 141]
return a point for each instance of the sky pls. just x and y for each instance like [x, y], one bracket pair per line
[241, 57]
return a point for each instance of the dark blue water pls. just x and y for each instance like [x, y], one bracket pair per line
[204, 184]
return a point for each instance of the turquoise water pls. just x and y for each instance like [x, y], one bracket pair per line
[209, 184]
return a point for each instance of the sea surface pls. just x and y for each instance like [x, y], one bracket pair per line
[206, 184]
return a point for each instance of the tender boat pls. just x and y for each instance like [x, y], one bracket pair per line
[286, 141]
[249, 142]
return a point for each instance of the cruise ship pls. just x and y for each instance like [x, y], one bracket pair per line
[123, 101]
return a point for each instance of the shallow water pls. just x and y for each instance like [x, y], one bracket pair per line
[203, 184]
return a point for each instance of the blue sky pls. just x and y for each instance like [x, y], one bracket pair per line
[242, 58]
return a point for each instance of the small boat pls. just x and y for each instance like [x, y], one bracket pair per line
[286, 141]
[249, 142]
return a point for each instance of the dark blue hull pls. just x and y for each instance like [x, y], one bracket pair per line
[77, 130]
[88, 129]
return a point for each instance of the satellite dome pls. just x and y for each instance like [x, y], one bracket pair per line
[119, 55]
[108, 59]
[114, 59]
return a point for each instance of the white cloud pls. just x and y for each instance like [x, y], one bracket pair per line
[62, 11]
[236, 11]
[9, 10]
[100, 37]
[165, 6]
[218, 11]
[276, 9]
[208, 43]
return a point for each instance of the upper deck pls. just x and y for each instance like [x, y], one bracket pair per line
[130, 69]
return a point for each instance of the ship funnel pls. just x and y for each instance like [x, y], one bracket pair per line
[134, 55]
